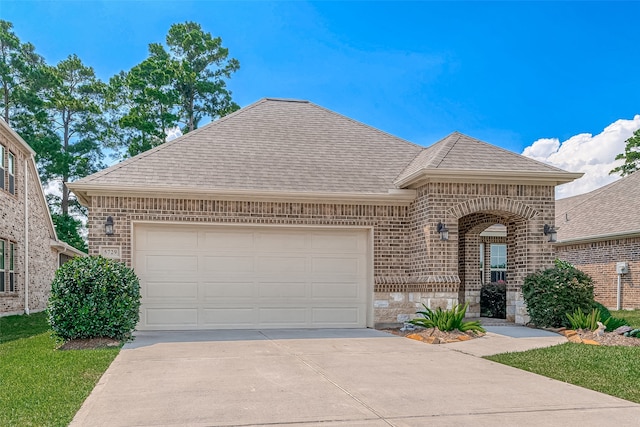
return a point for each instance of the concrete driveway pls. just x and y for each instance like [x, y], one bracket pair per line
[331, 378]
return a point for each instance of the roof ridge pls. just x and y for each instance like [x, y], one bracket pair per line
[449, 145]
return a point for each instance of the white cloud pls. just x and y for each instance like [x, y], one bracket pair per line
[173, 133]
[594, 155]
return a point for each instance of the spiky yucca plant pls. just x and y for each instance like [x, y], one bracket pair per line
[447, 320]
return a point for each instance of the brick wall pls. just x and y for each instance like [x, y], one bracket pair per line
[42, 258]
[598, 259]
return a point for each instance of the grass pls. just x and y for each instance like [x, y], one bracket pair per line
[39, 384]
[631, 316]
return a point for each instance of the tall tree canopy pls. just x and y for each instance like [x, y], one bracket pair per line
[175, 86]
[74, 104]
[631, 156]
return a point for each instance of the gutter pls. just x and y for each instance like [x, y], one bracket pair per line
[599, 237]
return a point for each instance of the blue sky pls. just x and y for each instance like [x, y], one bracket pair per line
[509, 73]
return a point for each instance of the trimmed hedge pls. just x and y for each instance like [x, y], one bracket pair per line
[552, 293]
[94, 297]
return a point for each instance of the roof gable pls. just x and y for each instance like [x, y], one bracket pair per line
[458, 155]
[608, 211]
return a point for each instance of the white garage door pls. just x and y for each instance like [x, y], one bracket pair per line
[215, 277]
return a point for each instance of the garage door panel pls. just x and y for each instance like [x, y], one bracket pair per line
[179, 317]
[171, 263]
[348, 242]
[171, 291]
[280, 241]
[338, 291]
[220, 291]
[241, 264]
[282, 265]
[332, 316]
[156, 238]
[282, 290]
[228, 317]
[226, 240]
[251, 277]
[283, 315]
[336, 266]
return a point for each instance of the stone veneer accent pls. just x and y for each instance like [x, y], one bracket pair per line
[598, 259]
[43, 259]
[411, 264]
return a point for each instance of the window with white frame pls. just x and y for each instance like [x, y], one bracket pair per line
[11, 167]
[498, 266]
[12, 275]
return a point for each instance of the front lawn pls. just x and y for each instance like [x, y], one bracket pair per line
[610, 370]
[631, 316]
[40, 385]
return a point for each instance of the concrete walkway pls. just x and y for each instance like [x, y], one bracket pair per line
[335, 378]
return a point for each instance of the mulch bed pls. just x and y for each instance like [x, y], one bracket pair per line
[608, 338]
[435, 335]
[89, 344]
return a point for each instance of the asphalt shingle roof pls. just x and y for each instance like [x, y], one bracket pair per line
[609, 210]
[461, 152]
[279, 145]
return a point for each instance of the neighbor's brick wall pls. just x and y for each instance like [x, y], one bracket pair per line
[42, 259]
[598, 259]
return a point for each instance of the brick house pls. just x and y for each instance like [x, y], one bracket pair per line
[599, 230]
[285, 214]
[30, 252]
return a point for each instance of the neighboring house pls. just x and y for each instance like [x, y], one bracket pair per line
[29, 250]
[286, 214]
[600, 229]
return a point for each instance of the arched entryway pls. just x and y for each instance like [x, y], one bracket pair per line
[520, 241]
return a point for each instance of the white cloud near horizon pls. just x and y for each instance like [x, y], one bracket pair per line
[594, 155]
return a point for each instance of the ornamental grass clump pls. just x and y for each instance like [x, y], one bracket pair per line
[580, 320]
[447, 320]
[94, 297]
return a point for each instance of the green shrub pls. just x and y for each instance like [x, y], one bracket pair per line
[493, 300]
[604, 311]
[447, 320]
[552, 293]
[94, 297]
[613, 323]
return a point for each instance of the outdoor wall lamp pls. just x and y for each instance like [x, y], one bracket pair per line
[550, 230]
[443, 230]
[108, 226]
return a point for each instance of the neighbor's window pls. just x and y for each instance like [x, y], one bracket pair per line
[2, 167]
[12, 172]
[2, 287]
[12, 257]
[498, 262]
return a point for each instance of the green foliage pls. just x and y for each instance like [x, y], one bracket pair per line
[613, 323]
[447, 320]
[631, 316]
[493, 300]
[635, 333]
[580, 320]
[67, 229]
[42, 386]
[552, 293]
[631, 156]
[604, 311]
[94, 297]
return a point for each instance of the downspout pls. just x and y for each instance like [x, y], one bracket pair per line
[26, 238]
